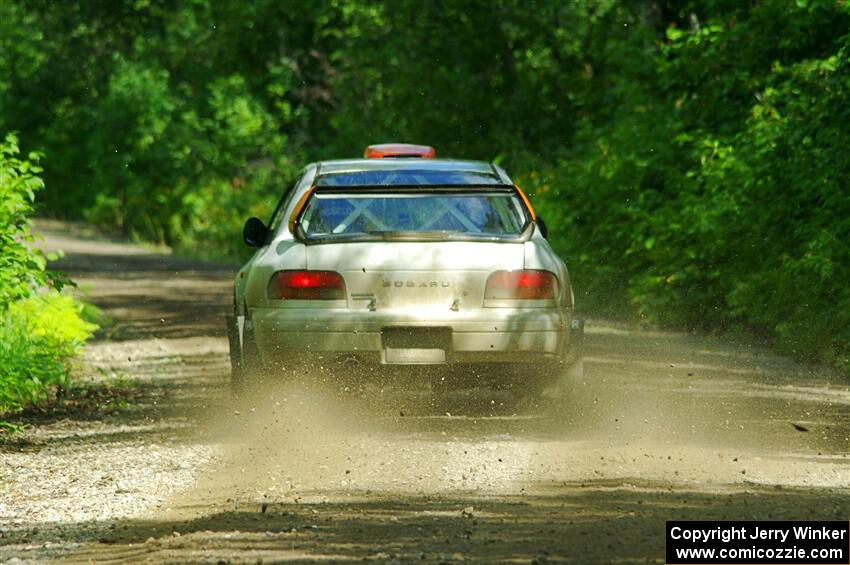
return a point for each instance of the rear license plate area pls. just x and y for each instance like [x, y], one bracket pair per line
[415, 346]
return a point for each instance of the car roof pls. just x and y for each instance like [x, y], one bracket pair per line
[409, 172]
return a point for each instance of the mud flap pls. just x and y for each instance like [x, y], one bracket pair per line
[240, 328]
[236, 333]
[234, 341]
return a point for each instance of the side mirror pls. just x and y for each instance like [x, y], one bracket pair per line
[541, 225]
[255, 232]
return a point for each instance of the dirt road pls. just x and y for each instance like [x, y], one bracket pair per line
[151, 460]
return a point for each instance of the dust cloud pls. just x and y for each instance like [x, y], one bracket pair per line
[635, 420]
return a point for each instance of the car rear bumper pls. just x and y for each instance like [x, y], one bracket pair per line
[488, 335]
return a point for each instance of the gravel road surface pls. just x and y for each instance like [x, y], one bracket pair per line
[150, 460]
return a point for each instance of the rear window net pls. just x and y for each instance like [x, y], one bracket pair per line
[470, 214]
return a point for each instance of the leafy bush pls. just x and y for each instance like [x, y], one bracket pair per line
[21, 267]
[40, 332]
[39, 337]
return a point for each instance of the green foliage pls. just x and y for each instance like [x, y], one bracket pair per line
[39, 333]
[163, 109]
[687, 155]
[21, 267]
[716, 196]
[39, 336]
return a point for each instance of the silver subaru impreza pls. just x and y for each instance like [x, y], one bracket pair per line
[401, 259]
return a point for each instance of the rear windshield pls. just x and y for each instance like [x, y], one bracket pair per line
[439, 215]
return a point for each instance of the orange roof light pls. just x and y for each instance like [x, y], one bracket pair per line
[389, 150]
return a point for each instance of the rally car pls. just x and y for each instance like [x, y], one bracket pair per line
[399, 260]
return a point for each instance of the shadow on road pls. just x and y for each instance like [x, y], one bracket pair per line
[580, 523]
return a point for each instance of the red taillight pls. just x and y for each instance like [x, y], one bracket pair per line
[386, 150]
[521, 285]
[306, 285]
